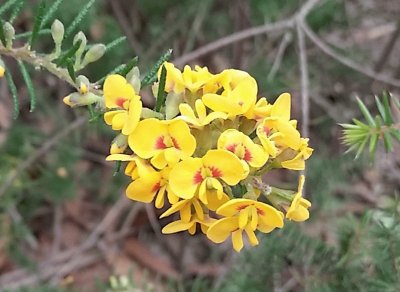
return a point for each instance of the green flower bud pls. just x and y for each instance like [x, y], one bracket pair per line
[172, 104]
[94, 53]
[133, 78]
[9, 34]
[83, 84]
[76, 99]
[119, 144]
[57, 32]
[80, 36]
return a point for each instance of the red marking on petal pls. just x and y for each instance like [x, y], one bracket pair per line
[267, 130]
[160, 143]
[156, 187]
[215, 172]
[176, 144]
[240, 103]
[241, 207]
[120, 101]
[231, 148]
[260, 212]
[247, 155]
[198, 178]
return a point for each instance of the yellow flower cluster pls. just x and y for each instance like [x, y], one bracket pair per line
[204, 155]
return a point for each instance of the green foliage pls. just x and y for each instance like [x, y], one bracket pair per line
[383, 127]
[151, 76]
[38, 22]
[161, 95]
[29, 84]
[14, 94]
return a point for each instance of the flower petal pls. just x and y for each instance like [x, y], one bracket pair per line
[220, 230]
[281, 107]
[143, 189]
[182, 177]
[133, 117]
[177, 226]
[116, 91]
[237, 240]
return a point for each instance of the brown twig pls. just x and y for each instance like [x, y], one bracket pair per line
[286, 40]
[387, 50]
[346, 61]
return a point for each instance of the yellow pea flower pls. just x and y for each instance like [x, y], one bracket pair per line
[136, 166]
[298, 210]
[202, 119]
[194, 80]
[277, 131]
[153, 184]
[260, 110]
[121, 96]
[187, 206]
[200, 176]
[297, 162]
[243, 147]
[165, 142]
[180, 225]
[240, 93]
[244, 215]
[174, 80]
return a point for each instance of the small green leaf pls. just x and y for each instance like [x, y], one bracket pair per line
[128, 67]
[381, 108]
[50, 12]
[396, 101]
[17, 9]
[388, 112]
[161, 94]
[71, 70]
[38, 22]
[151, 76]
[29, 85]
[366, 112]
[66, 56]
[14, 94]
[361, 124]
[79, 18]
[361, 147]
[2, 35]
[396, 134]
[115, 43]
[7, 5]
[373, 142]
[117, 167]
[29, 33]
[387, 141]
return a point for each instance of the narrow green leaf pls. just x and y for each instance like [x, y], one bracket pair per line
[373, 142]
[7, 5]
[396, 101]
[122, 69]
[388, 112]
[387, 141]
[365, 112]
[14, 94]
[128, 67]
[381, 108]
[2, 36]
[29, 85]
[85, 9]
[361, 147]
[361, 124]
[71, 70]
[17, 9]
[67, 55]
[50, 12]
[161, 94]
[349, 126]
[38, 22]
[29, 33]
[396, 134]
[115, 43]
[151, 76]
[117, 167]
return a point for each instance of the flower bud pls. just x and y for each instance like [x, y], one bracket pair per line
[76, 99]
[119, 144]
[172, 104]
[9, 34]
[133, 78]
[83, 84]
[80, 36]
[57, 32]
[94, 53]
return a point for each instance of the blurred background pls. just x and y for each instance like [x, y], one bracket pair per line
[65, 224]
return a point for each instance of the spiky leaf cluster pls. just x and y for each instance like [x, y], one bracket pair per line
[383, 127]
